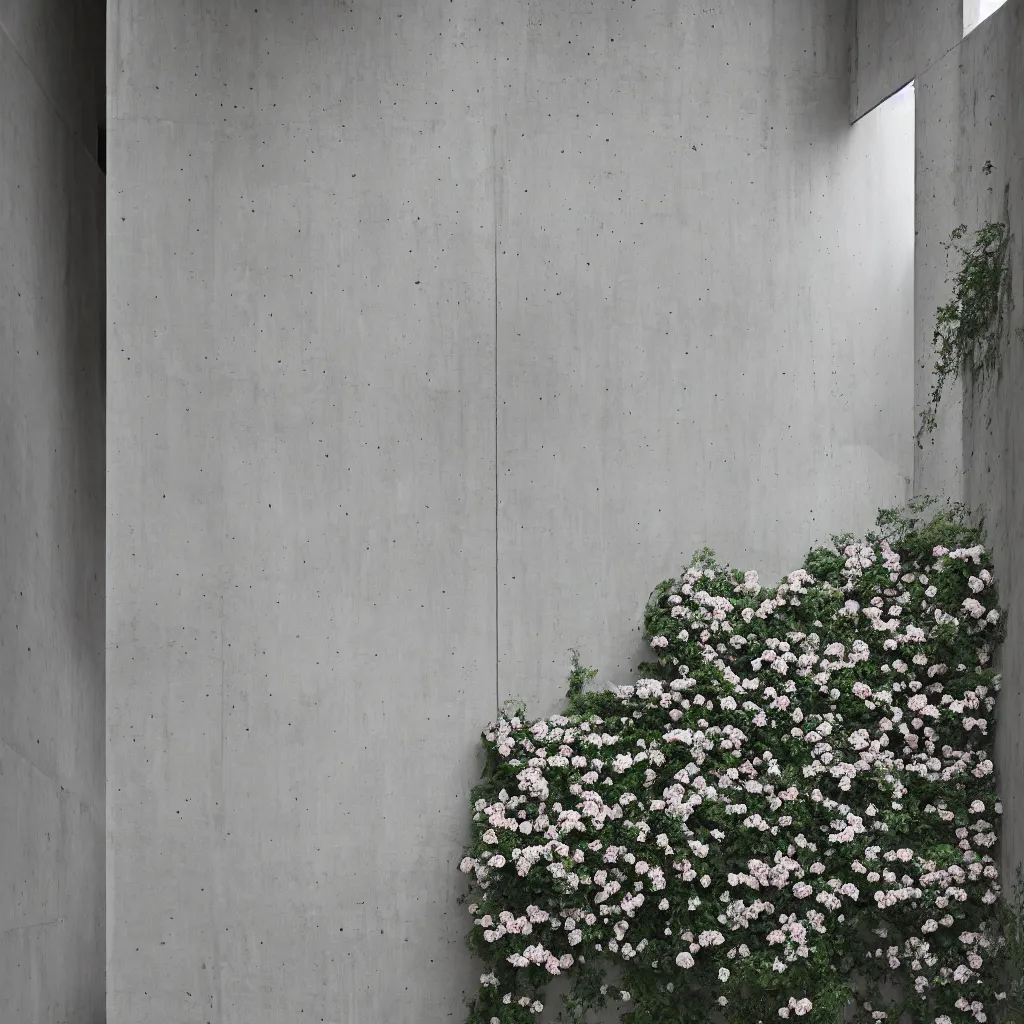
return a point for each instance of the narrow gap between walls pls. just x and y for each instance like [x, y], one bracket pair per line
[497, 584]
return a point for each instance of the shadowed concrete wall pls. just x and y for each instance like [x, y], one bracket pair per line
[51, 515]
[896, 41]
[976, 124]
[440, 333]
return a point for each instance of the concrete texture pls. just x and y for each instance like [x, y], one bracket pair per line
[976, 11]
[52, 524]
[938, 209]
[982, 114]
[439, 334]
[62, 42]
[703, 320]
[896, 42]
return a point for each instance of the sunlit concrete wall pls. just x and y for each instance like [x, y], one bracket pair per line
[439, 334]
[51, 514]
[896, 43]
[976, 128]
[897, 40]
[938, 209]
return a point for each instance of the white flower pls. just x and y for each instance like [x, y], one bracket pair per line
[834, 730]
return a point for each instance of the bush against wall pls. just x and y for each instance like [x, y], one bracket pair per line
[793, 812]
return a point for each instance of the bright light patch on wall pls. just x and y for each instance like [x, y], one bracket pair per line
[905, 95]
[976, 11]
[890, 181]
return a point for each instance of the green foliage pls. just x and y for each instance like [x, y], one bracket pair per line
[969, 328]
[579, 677]
[790, 814]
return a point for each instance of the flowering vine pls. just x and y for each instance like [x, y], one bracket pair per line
[792, 813]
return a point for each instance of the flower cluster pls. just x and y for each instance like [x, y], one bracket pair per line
[793, 811]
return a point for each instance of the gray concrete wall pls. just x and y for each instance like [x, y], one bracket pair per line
[979, 115]
[439, 334]
[52, 521]
[938, 209]
[703, 320]
[896, 42]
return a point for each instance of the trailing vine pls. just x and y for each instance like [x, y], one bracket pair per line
[969, 327]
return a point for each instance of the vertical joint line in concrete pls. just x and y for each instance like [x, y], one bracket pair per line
[497, 645]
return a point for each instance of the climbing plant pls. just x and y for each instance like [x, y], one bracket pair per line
[1013, 934]
[791, 813]
[969, 328]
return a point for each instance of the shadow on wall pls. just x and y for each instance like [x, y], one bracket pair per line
[83, 390]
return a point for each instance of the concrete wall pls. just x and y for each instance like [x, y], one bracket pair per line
[976, 11]
[976, 119]
[52, 520]
[896, 42]
[938, 209]
[705, 295]
[439, 334]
